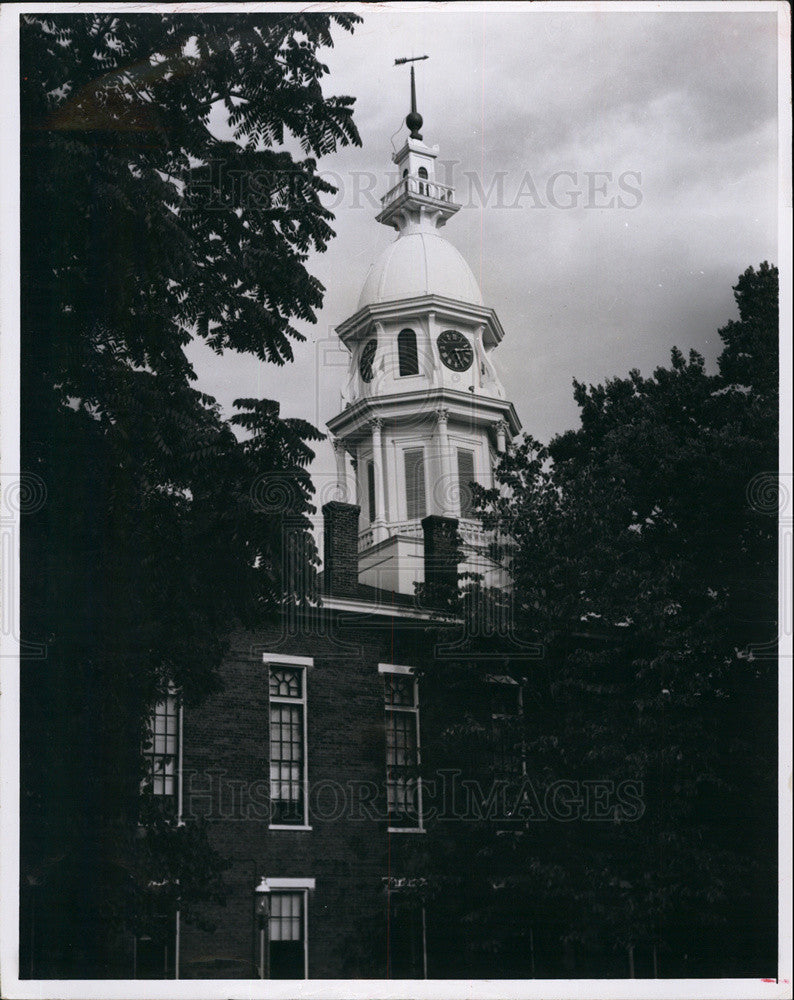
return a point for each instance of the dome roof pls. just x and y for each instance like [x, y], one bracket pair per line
[419, 263]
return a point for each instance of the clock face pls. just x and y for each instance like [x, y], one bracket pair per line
[366, 359]
[455, 350]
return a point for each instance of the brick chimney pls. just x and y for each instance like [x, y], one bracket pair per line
[442, 555]
[340, 549]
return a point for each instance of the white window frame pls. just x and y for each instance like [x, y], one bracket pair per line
[301, 663]
[302, 885]
[396, 668]
[179, 766]
[174, 693]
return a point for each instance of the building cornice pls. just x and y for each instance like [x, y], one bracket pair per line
[462, 406]
[451, 309]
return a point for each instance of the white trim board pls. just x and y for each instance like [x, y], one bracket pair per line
[394, 668]
[300, 661]
[290, 883]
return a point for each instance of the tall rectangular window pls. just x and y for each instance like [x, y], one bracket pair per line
[465, 479]
[163, 747]
[406, 954]
[415, 483]
[287, 745]
[403, 784]
[287, 935]
[155, 947]
[371, 490]
[507, 737]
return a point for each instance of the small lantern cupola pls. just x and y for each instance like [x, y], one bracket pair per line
[417, 200]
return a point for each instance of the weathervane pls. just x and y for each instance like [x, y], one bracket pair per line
[413, 119]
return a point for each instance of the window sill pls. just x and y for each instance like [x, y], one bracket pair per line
[288, 826]
[406, 829]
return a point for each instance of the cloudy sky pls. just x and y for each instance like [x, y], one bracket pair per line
[682, 106]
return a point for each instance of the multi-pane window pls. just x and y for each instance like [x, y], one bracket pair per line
[415, 483]
[287, 745]
[287, 935]
[465, 479]
[407, 352]
[403, 786]
[507, 738]
[163, 747]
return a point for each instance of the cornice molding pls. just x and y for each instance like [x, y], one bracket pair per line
[463, 406]
[404, 309]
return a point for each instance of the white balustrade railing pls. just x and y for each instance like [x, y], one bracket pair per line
[470, 531]
[416, 185]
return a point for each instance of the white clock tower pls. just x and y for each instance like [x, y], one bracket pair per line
[425, 412]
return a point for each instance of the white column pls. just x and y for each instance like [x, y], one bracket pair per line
[379, 525]
[341, 470]
[478, 376]
[446, 488]
[357, 497]
[501, 435]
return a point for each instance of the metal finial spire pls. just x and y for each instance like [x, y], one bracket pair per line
[413, 119]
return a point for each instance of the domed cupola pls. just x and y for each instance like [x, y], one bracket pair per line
[416, 264]
[425, 412]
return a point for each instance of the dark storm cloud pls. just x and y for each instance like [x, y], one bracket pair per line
[687, 100]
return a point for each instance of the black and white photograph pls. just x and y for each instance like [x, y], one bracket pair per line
[397, 501]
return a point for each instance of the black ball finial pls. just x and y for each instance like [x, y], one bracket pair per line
[414, 122]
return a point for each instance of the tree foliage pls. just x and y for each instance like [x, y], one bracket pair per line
[143, 227]
[642, 549]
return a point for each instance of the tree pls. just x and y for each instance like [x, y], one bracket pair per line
[141, 229]
[642, 550]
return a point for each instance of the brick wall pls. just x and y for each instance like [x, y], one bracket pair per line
[340, 548]
[349, 855]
